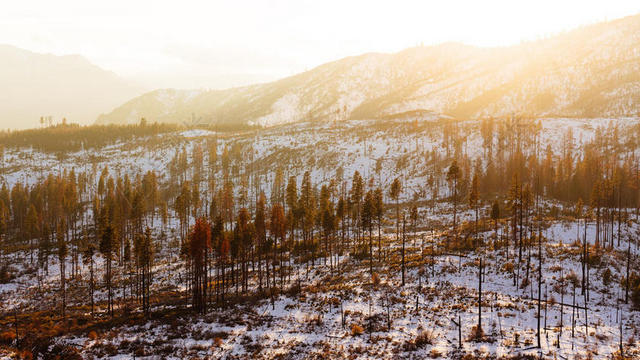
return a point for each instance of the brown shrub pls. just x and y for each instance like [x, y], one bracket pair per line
[356, 330]
[375, 279]
[26, 355]
[140, 351]
[217, 342]
[477, 334]
[507, 267]
[7, 337]
[424, 338]
[421, 340]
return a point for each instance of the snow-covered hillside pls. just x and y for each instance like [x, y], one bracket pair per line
[332, 306]
[589, 72]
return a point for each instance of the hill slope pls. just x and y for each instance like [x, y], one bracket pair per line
[589, 72]
[59, 86]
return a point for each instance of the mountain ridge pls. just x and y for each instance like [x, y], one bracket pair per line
[592, 71]
[68, 86]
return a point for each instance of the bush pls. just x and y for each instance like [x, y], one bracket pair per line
[65, 352]
[140, 351]
[477, 334]
[217, 342]
[26, 355]
[424, 338]
[572, 279]
[356, 330]
[7, 337]
[606, 277]
[5, 274]
[375, 279]
[507, 267]
[634, 284]
[362, 253]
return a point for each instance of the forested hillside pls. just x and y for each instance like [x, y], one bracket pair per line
[505, 238]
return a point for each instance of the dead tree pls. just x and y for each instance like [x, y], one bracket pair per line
[479, 328]
[404, 222]
[539, 283]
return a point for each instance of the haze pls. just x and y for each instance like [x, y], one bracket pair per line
[296, 179]
[123, 49]
[214, 44]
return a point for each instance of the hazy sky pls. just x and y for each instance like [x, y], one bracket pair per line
[192, 43]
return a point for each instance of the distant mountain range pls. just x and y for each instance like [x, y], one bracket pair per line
[34, 85]
[593, 71]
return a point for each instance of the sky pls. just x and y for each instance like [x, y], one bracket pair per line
[188, 43]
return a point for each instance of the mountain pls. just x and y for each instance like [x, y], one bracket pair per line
[34, 85]
[593, 71]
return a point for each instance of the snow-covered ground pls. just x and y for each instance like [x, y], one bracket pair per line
[441, 288]
[414, 321]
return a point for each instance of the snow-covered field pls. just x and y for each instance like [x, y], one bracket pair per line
[439, 290]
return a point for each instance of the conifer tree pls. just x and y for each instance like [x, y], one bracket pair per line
[368, 209]
[32, 225]
[261, 233]
[292, 205]
[4, 223]
[88, 256]
[495, 215]
[62, 256]
[307, 209]
[357, 191]
[278, 228]
[514, 198]
[107, 248]
[328, 221]
[473, 203]
[144, 254]
[199, 245]
[379, 213]
[453, 175]
[394, 193]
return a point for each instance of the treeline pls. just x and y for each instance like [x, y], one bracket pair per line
[73, 137]
[602, 169]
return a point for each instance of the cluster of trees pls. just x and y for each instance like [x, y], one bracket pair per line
[263, 244]
[73, 137]
[65, 215]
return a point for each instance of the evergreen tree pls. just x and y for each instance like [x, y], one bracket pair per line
[394, 193]
[495, 215]
[357, 191]
[278, 228]
[453, 175]
[261, 233]
[107, 248]
[368, 210]
[473, 203]
[199, 245]
[88, 257]
[62, 258]
[379, 213]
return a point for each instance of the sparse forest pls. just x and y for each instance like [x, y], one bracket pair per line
[497, 238]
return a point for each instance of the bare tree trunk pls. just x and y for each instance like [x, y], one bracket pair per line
[403, 248]
[479, 329]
